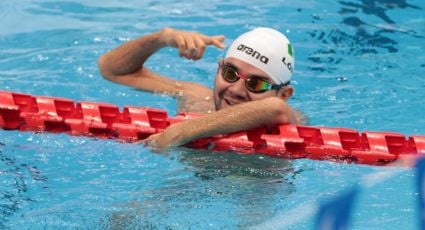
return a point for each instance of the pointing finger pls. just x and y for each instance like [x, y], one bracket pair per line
[215, 40]
[218, 41]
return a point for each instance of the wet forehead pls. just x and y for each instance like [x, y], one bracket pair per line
[247, 69]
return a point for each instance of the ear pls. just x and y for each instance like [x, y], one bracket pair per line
[285, 92]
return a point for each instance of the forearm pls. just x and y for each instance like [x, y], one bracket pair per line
[130, 57]
[238, 118]
[249, 115]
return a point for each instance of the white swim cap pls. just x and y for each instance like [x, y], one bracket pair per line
[266, 49]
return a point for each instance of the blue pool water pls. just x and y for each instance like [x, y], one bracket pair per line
[359, 65]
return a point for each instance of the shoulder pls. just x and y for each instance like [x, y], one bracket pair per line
[195, 91]
[195, 98]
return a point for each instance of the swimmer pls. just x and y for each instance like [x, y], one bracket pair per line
[251, 89]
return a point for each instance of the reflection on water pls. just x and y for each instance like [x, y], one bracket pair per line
[375, 7]
[207, 165]
[355, 36]
[15, 176]
[246, 184]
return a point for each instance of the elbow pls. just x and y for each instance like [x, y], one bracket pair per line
[103, 68]
[281, 112]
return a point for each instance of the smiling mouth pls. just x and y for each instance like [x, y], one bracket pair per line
[230, 103]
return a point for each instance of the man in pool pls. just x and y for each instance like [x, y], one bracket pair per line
[252, 84]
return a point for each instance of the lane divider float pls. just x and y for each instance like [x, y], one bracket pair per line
[52, 114]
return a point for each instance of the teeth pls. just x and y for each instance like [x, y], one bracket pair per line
[230, 103]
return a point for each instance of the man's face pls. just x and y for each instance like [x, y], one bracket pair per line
[228, 94]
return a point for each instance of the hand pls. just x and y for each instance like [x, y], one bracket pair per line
[171, 137]
[191, 45]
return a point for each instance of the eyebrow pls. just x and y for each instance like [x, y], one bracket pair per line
[249, 75]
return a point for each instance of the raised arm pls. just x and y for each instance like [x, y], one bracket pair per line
[125, 64]
[245, 116]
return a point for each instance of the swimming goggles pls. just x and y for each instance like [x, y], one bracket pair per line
[253, 83]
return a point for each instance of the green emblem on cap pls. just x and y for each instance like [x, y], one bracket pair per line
[290, 51]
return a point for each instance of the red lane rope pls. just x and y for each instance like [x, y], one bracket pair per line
[51, 114]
